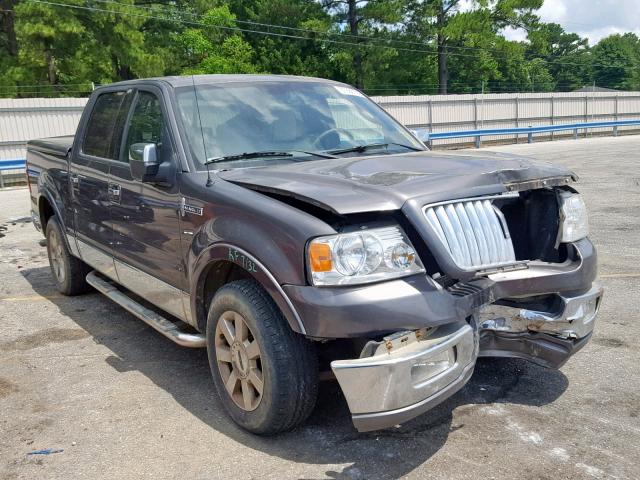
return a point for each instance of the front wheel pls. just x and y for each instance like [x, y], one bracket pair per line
[266, 375]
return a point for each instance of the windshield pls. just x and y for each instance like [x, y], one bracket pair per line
[300, 118]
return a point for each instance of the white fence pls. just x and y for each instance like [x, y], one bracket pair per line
[24, 119]
[445, 113]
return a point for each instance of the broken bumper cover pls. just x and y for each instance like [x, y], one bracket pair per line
[548, 337]
[408, 377]
[397, 384]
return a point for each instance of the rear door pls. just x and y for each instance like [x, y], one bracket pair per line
[97, 147]
[145, 216]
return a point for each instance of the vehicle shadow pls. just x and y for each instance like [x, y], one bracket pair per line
[328, 437]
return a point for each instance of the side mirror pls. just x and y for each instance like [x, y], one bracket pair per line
[143, 161]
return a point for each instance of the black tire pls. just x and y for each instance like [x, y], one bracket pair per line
[287, 360]
[69, 273]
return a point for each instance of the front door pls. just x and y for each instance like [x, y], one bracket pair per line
[95, 149]
[145, 216]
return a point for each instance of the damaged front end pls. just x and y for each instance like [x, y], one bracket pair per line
[406, 374]
[546, 330]
[515, 271]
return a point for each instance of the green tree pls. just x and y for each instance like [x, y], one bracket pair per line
[567, 55]
[46, 39]
[387, 46]
[616, 62]
[515, 73]
[8, 39]
[284, 54]
[215, 47]
[72, 46]
[358, 17]
[448, 25]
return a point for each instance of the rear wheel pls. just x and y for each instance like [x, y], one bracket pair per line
[265, 374]
[68, 272]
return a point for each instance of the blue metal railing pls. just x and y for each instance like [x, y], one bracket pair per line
[529, 131]
[15, 164]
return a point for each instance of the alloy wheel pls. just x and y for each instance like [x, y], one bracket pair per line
[239, 361]
[56, 255]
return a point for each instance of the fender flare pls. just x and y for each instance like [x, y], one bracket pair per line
[249, 263]
[46, 195]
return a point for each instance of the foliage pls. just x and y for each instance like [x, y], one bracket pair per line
[616, 61]
[382, 46]
[213, 48]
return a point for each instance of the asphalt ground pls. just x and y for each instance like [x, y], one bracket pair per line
[119, 401]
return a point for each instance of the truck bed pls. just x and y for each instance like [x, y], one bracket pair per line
[58, 146]
[48, 168]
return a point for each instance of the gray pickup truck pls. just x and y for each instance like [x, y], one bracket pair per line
[298, 232]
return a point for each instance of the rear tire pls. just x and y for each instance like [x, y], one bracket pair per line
[69, 273]
[266, 375]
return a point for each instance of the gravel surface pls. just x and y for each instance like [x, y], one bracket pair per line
[115, 399]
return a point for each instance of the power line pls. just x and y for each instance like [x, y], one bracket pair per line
[222, 27]
[321, 32]
[296, 37]
[307, 30]
[359, 44]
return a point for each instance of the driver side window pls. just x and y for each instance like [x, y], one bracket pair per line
[147, 125]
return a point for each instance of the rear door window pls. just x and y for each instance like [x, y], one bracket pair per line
[104, 129]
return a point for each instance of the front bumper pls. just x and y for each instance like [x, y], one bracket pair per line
[547, 336]
[404, 378]
[402, 381]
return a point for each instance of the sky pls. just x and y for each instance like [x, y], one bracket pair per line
[593, 19]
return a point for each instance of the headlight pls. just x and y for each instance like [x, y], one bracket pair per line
[361, 257]
[574, 224]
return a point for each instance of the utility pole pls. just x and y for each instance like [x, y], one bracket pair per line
[443, 74]
[482, 117]
[352, 14]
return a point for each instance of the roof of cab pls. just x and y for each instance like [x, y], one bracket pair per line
[185, 80]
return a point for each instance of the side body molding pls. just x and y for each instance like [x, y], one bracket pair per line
[245, 260]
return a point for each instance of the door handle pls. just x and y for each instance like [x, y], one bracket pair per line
[75, 180]
[114, 191]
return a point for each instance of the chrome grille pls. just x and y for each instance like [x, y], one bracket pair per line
[474, 231]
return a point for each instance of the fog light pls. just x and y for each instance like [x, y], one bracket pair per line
[434, 365]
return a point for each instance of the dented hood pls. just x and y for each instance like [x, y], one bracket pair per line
[386, 182]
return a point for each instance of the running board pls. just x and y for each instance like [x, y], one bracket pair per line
[151, 318]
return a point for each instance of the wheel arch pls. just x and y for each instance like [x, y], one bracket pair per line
[222, 263]
[48, 208]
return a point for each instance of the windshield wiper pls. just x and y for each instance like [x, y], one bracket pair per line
[363, 148]
[246, 155]
[315, 154]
